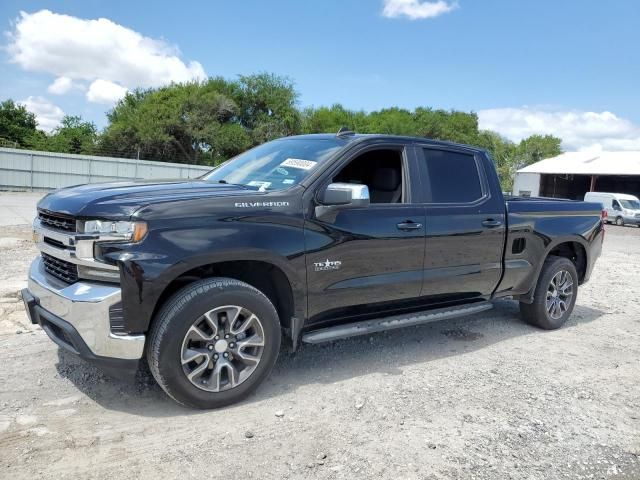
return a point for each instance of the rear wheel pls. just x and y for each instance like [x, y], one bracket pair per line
[555, 294]
[620, 221]
[214, 342]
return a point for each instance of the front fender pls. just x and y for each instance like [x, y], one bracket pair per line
[147, 269]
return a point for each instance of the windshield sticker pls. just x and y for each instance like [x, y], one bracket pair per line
[298, 163]
[287, 181]
[257, 183]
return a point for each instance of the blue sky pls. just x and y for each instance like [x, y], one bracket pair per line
[567, 67]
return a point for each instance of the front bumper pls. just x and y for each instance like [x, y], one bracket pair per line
[76, 317]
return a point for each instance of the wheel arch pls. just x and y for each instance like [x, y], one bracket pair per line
[574, 248]
[264, 274]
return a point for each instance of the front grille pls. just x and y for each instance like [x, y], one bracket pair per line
[65, 271]
[57, 221]
[52, 241]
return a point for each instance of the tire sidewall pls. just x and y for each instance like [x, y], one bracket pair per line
[169, 350]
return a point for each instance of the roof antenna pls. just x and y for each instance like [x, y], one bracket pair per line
[344, 132]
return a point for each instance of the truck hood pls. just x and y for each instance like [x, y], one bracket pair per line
[122, 199]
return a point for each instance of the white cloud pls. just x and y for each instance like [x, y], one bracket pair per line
[416, 9]
[47, 114]
[88, 50]
[102, 91]
[579, 130]
[62, 85]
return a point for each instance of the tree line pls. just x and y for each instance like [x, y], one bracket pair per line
[211, 121]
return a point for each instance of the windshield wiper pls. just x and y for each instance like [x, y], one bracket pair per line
[234, 184]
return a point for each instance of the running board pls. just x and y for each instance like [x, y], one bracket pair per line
[395, 321]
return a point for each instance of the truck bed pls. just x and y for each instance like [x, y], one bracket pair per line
[516, 204]
[535, 227]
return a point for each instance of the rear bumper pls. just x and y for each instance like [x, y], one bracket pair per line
[76, 317]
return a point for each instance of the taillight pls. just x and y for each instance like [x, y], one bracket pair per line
[603, 217]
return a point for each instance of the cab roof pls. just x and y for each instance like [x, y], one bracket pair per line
[371, 137]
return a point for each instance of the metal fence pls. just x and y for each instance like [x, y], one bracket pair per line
[34, 170]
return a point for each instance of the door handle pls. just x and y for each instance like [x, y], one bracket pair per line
[409, 225]
[491, 223]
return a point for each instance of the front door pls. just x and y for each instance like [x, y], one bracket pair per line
[367, 256]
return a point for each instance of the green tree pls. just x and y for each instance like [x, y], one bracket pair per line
[18, 125]
[502, 152]
[509, 157]
[536, 148]
[72, 136]
[451, 125]
[174, 123]
[202, 122]
[267, 106]
[391, 121]
[331, 119]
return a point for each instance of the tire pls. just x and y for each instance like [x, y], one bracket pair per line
[181, 331]
[620, 221]
[538, 313]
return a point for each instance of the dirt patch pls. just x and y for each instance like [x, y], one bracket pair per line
[16, 252]
[462, 334]
[484, 397]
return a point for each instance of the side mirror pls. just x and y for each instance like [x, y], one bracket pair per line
[338, 196]
[349, 194]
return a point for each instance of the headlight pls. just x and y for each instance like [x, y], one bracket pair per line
[115, 230]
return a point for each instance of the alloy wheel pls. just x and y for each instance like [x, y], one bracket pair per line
[559, 294]
[222, 348]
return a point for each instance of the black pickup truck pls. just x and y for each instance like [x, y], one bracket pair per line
[304, 239]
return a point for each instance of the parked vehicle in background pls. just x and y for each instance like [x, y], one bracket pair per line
[622, 209]
[304, 239]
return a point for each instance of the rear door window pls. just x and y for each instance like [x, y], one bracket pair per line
[453, 176]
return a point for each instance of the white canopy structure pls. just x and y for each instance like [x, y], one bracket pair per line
[588, 163]
[572, 174]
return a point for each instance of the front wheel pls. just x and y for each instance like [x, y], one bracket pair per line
[620, 221]
[555, 294]
[214, 342]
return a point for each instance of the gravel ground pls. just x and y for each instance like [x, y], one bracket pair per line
[484, 397]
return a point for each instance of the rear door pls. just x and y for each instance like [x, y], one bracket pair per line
[465, 225]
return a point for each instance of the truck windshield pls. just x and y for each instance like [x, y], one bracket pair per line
[630, 204]
[275, 165]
